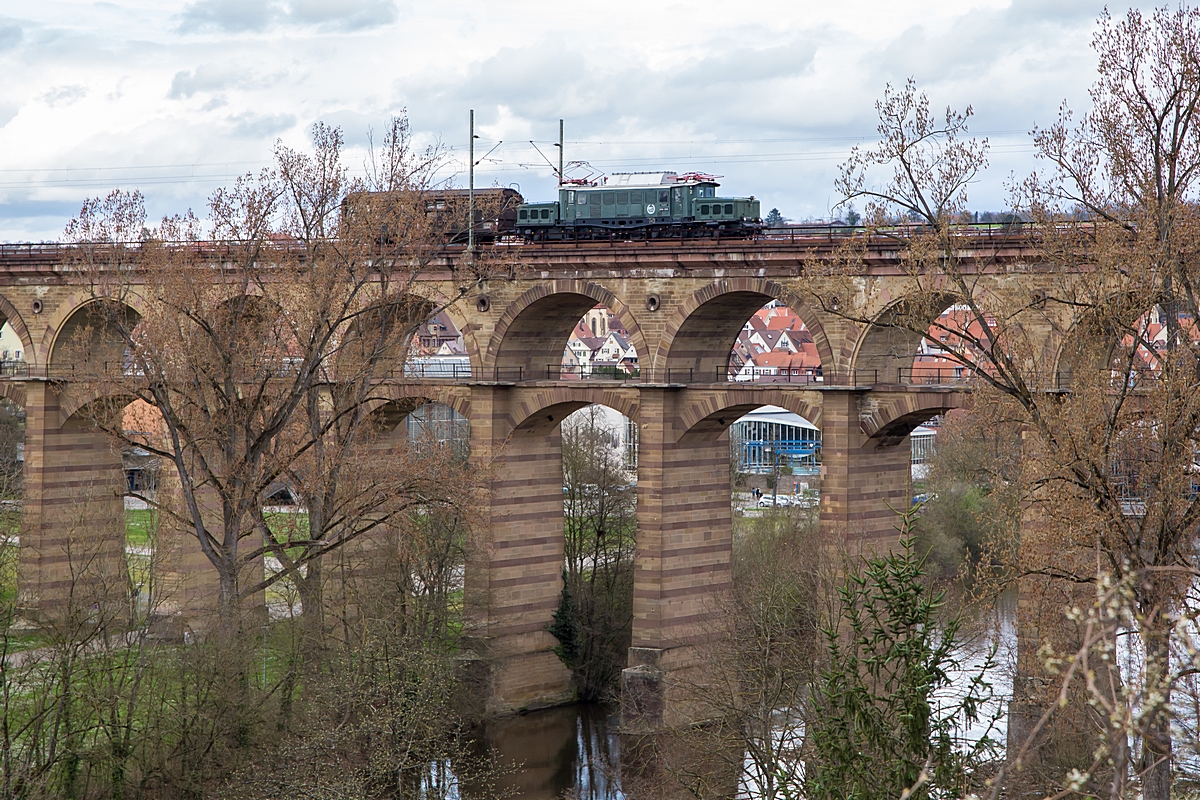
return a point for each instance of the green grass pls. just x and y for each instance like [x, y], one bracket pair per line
[288, 524]
[8, 576]
[141, 527]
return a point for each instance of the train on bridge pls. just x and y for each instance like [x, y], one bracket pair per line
[650, 205]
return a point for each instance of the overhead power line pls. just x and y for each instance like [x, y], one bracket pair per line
[508, 158]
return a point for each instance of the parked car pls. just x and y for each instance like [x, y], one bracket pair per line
[767, 501]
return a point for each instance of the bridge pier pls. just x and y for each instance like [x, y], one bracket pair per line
[514, 572]
[682, 563]
[72, 565]
[864, 480]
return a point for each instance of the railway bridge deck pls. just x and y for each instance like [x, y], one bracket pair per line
[683, 305]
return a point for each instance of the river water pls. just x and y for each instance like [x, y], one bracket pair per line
[568, 752]
[574, 752]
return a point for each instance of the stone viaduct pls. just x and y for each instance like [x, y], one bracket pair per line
[683, 305]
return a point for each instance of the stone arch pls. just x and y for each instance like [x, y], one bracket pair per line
[84, 405]
[709, 417]
[540, 413]
[462, 320]
[1069, 350]
[366, 324]
[59, 321]
[533, 330]
[9, 314]
[702, 330]
[886, 345]
[13, 392]
[405, 394]
[886, 422]
[104, 351]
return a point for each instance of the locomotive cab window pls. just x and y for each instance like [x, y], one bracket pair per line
[570, 197]
[664, 195]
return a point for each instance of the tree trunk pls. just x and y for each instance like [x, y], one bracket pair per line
[1156, 742]
[312, 616]
[227, 599]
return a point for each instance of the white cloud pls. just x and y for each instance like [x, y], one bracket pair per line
[64, 95]
[10, 36]
[258, 15]
[342, 14]
[228, 15]
[770, 101]
[260, 126]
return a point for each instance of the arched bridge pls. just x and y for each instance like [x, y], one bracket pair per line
[683, 305]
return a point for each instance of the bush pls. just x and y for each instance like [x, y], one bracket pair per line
[880, 722]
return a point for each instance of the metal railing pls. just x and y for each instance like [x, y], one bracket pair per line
[426, 370]
[857, 377]
[582, 372]
[770, 375]
[937, 376]
[14, 368]
[89, 371]
[823, 236]
[430, 368]
[679, 375]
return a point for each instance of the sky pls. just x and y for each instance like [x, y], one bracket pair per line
[178, 98]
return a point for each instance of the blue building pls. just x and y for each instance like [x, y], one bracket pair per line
[771, 433]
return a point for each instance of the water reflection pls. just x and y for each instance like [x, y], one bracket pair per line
[572, 752]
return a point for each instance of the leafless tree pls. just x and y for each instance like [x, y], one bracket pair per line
[1109, 463]
[262, 339]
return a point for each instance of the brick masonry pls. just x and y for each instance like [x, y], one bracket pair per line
[683, 305]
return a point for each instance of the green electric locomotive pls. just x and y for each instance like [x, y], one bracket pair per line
[641, 204]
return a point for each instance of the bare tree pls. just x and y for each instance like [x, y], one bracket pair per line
[1109, 463]
[262, 341]
[596, 620]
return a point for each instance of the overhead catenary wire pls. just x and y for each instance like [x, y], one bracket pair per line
[198, 172]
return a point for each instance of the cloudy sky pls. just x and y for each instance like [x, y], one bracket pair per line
[176, 98]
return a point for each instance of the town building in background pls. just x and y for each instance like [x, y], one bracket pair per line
[772, 439]
[774, 346]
